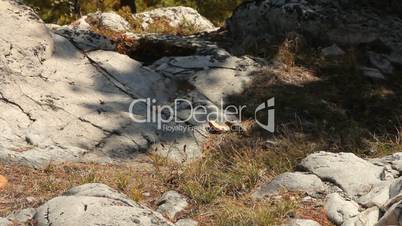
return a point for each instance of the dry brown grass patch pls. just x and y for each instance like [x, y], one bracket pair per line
[42, 185]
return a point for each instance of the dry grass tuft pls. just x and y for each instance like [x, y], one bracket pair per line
[265, 213]
[232, 167]
[25, 182]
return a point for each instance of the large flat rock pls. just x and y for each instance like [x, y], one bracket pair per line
[61, 104]
[65, 97]
[354, 175]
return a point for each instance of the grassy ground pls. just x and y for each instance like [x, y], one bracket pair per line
[218, 186]
[321, 104]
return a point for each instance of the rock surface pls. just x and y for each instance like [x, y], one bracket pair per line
[58, 88]
[378, 195]
[368, 217]
[371, 183]
[24, 216]
[375, 31]
[81, 34]
[372, 73]
[328, 21]
[176, 17]
[186, 222]
[394, 160]
[5, 222]
[294, 182]
[392, 216]
[332, 51]
[339, 210]
[381, 62]
[171, 203]
[111, 21]
[302, 222]
[354, 175]
[96, 204]
[65, 96]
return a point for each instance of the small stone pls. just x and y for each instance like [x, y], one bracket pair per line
[171, 203]
[23, 216]
[30, 199]
[186, 222]
[296, 181]
[381, 62]
[339, 210]
[332, 51]
[302, 222]
[369, 217]
[388, 173]
[308, 199]
[395, 58]
[372, 73]
[394, 160]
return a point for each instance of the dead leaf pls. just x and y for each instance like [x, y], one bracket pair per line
[215, 127]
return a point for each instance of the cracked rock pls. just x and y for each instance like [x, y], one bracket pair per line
[66, 98]
[96, 204]
[352, 174]
[378, 195]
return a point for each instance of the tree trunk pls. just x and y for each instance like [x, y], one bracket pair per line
[130, 4]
